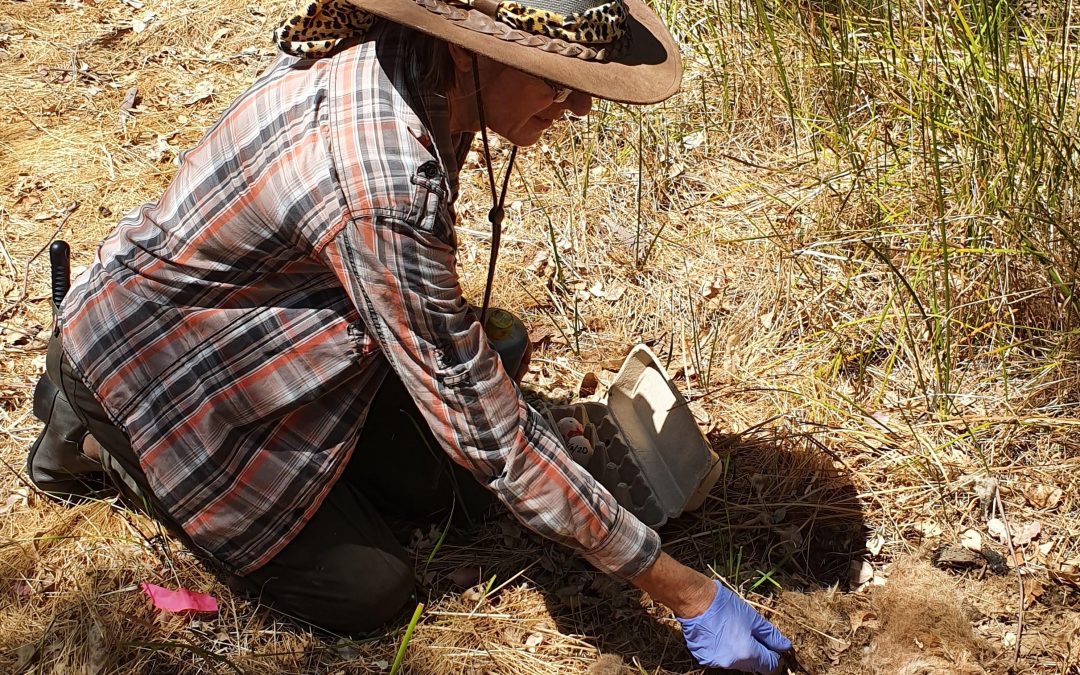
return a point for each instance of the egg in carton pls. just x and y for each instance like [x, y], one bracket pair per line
[643, 443]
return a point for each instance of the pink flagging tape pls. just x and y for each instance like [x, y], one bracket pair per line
[182, 600]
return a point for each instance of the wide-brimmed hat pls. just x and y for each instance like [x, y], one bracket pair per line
[612, 49]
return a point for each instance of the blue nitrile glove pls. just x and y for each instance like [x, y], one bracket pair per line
[731, 634]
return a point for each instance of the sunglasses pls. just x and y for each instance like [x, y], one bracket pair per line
[559, 93]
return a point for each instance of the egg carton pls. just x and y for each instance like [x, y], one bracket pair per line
[647, 449]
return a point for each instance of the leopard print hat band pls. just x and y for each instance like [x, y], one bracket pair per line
[591, 25]
[318, 25]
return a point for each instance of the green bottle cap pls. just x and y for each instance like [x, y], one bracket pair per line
[499, 323]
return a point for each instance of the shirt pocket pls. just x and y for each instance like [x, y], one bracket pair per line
[429, 209]
[450, 372]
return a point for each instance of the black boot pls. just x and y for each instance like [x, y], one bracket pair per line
[56, 464]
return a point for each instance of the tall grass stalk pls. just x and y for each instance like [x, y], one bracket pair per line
[954, 130]
[399, 657]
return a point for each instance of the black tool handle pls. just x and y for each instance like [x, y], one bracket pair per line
[60, 262]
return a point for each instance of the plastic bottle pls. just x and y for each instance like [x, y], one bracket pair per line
[508, 336]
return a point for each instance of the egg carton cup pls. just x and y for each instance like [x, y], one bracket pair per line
[647, 449]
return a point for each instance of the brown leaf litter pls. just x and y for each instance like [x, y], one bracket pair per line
[697, 228]
[918, 623]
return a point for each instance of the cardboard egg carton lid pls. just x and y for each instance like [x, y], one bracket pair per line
[662, 433]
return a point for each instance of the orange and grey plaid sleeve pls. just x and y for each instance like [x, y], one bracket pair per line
[402, 278]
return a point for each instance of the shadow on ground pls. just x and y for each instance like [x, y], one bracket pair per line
[784, 516]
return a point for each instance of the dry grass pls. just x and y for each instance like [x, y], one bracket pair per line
[851, 237]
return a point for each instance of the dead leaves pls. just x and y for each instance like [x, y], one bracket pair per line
[16, 333]
[1067, 573]
[588, 386]
[1022, 534]
[862, 618]
[1044, 496]
[598, 290]
[17, 499]
[612, 293]
[203, 91]
[712, 289]
[928, 529]
[533, 641]
[26, 193]
[1033, 590]
[1026, 533]
[161, 150]
[140, 24]
[875, 543]
[717, 296]
[539, 263]
[128, 105]
[694, 140]
[517, 636]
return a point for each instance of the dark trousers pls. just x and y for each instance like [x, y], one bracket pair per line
[345, 571]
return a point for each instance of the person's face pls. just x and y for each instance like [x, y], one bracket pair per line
[517, 106]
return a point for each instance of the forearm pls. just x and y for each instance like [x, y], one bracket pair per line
[411, 301]
[685, 591]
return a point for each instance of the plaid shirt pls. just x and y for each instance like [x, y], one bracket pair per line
[238, 329]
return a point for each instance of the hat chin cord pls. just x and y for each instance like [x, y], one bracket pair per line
[495, 215]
